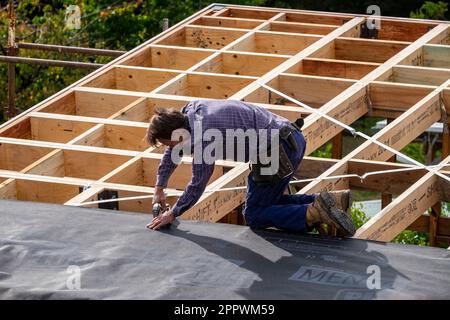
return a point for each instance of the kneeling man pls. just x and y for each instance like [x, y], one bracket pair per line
[274, 158]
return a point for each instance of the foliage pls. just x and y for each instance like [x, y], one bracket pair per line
[415, 150]
[431, 10]
[358, 216]
[366, 124]
[323, 152]
[362, 195]
[108, 24]
[445, 209]
[399, 8]
[412, 237]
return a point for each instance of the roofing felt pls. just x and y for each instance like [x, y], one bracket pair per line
[44, 247]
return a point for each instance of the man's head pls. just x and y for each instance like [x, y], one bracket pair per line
[162, 125]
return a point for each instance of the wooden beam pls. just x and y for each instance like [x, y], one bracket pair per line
[434, 222]
[386, 197]
[139, 111]
[215, 87]
[17, 143]
[57, 130]
[402, 30]
[131, 78]
[241, 64]
[400, 213]
[275, 43]
[92, 120]
[436, 56]
[337, 146]
[296, 27]
[214, 206]
[166, 57]
[408, 206]
[420, 75]
[334, 68]
[105, 104]
[202, 37]
[366, 49]
[350, 93]
[309, 17]
[422, 224]
[312, 90]
[228, 22]
[388, 183]
[226, 47]
[253, 13]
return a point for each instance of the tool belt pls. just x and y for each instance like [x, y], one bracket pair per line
[260, 173]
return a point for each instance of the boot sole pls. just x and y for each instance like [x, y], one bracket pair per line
[342, 221]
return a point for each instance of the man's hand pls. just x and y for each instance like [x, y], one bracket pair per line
[161, 220]
[159, 197]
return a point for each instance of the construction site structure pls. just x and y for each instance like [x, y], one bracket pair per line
[87, 142]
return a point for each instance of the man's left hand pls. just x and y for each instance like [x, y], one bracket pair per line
[161, 220]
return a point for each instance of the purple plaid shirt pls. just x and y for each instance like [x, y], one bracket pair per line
[221, 115]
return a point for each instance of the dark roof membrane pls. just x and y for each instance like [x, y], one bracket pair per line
[62, 252]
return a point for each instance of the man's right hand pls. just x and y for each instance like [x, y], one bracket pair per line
[159, 197]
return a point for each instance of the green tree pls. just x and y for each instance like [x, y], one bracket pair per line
[107, 24]
[358, 216]
[415, 151]
[323, 152]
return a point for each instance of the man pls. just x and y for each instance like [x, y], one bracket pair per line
[266, 205]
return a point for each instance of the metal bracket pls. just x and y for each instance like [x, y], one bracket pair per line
[217, 8]
[108, 194]
[367, 33]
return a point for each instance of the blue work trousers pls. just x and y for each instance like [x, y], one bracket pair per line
[267, 206]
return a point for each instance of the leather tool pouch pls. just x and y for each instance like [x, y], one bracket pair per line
[261, 173]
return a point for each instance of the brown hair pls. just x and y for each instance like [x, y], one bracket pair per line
[163, 123]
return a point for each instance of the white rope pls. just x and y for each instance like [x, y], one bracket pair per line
[177, 194]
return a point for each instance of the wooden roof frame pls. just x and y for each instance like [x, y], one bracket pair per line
[89, 137]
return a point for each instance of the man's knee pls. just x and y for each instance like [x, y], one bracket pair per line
[253, 222]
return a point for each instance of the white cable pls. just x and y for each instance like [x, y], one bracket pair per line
[177, 194]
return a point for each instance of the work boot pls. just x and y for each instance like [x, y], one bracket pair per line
[343, 199]
[324, 209]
